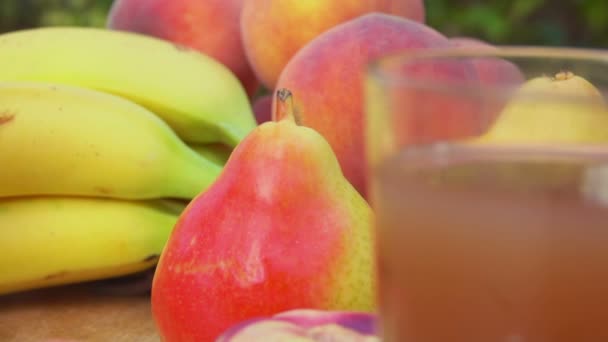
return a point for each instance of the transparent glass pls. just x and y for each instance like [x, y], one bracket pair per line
[488, 173]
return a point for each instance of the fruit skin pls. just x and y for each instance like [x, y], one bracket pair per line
[196, 95]
[262, 108]
[65, 140]
[280, 229]
[274, 30]
[493, 72]
[215, 153]
[565, 108]
[306, 326]
[329, 95]
[50, 241]
[211, 27]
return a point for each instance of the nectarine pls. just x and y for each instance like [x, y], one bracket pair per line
[262, 108]
[499, 73]
[326, 78]
[274, 30]
[491, 70]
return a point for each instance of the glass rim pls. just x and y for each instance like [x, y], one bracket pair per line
[446, 152]
[378, 68]
[593, 160]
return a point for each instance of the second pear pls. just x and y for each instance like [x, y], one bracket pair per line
[565, 108]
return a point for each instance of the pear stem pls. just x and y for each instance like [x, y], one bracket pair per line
[284, 106]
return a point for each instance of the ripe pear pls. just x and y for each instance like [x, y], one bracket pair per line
[565, 108]
[280, 229]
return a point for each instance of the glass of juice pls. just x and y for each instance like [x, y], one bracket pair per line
[488, 174]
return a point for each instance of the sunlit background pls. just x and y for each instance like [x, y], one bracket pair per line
[582, 23]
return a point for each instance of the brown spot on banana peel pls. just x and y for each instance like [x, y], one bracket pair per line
[6, 117]
[103, 190]
[55, 275]
[60, 274]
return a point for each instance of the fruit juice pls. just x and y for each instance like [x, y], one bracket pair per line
[494, 245]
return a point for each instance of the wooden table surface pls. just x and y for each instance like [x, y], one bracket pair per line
[76, 313]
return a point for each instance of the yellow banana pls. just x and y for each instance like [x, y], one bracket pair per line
[200, 98]
[49, 241]
[65, 140]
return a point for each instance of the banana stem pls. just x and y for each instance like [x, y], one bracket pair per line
[193, 174]
[284, 106]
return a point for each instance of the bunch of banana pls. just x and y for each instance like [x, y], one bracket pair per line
[104, 137]
[196, 95]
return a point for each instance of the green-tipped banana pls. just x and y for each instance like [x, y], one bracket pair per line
[200, 98]
[49, 241]
[216, 153]
[64, 140]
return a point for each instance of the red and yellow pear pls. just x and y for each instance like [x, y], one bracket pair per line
[280, 229]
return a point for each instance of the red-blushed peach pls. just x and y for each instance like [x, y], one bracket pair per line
[280, 229]
[274, 30]
[211, 27]
[262, 108]
[327, 80]
[492, 71]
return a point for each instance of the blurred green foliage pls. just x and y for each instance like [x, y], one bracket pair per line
[582, 23]
[18, 14]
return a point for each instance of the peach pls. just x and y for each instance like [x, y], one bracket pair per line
[491, 70]
[326, 79]
[498, 73]
[274, 30]
[211, 27]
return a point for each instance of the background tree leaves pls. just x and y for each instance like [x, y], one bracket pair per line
[580, 23]
[19, 14]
